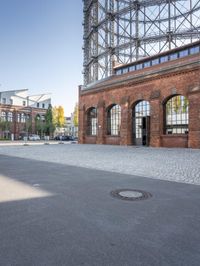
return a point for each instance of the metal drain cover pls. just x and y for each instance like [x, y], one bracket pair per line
[130, 194]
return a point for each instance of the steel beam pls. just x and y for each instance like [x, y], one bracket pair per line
[122, 31]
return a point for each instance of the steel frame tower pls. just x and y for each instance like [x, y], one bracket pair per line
[122, 31]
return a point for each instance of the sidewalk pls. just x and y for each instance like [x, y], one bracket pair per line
[21, 142]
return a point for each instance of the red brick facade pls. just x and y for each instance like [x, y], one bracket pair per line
[19, 128]
[155, 85]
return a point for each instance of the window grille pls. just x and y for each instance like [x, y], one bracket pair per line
[114, 120]
[177, 115]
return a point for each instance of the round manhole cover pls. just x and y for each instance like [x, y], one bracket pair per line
[130, 194]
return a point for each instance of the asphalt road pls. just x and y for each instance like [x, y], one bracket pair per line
[68, 217]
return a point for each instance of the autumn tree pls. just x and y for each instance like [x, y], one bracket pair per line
[58, 116]
[76, 115]
[61, 116]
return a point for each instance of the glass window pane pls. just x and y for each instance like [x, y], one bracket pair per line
[125, 70]
[10, 116]
[147, 64]
[155, 62]
[92, 122]
[132, 68]
[139, 66]
[118, 72]
[164, 59]
[3, 116]
[183, 53]
[173, 56]
[177, 115]
[114, 120]
[194, 50]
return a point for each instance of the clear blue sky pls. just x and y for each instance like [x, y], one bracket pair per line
[41, 48]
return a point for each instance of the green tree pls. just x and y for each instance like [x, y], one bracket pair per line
[28, 125]
[55, 116]
[5, 126]
[38, 124]
[49, 123]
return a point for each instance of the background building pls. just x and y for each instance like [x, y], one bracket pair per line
[19, 111]
[74, 125]
[68, 129]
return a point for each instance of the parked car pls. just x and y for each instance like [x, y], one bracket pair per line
[57, 137]
[63, 138]
[34, 137]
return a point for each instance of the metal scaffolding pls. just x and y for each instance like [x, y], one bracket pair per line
[123, 31]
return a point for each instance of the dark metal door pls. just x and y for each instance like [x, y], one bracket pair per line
[145, 130]
[141, 131]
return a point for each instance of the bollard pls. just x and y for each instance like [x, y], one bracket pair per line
[46, 140]
[25, 141]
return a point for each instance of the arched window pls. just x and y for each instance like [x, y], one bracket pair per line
[18, 118]
[43, 118]
[114, 120]
[37, 117]
[177, 116]
[3, 116]
[10, 116]
[23, 118]
[92, 122]
[28, 117]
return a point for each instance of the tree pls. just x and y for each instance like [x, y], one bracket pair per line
[5, 126]
[58, 116]
[28, 125]
[61, 116]
[38, 124]
[49, 123]
[54, 116]
[76, 115]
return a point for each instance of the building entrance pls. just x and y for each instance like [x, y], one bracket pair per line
[141, 123]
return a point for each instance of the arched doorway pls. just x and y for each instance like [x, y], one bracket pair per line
[141, 123]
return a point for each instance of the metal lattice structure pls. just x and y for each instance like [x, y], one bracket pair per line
[123, 31]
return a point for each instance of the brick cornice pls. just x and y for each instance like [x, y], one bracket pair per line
[131, 80]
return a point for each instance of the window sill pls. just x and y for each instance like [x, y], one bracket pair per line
[113, 136]
[175, 135]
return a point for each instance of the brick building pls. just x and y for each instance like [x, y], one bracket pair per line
[154, 101]
[18, 112]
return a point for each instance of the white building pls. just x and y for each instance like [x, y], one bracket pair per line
[21, 98]
[74, 128]
[69, 129]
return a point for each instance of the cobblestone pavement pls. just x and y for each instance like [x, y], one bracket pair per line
[180, 165]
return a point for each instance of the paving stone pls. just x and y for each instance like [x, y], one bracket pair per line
[180, 165]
